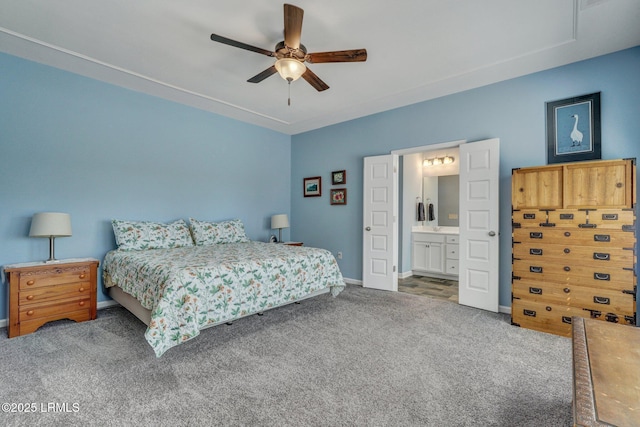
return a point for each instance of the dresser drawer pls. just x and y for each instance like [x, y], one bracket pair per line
[577, 255]
[604, 300]
[52, 293]
[544, 317]
[529, 218]
[571, 218]
[587, 237]
[428, 237]
[36, 311]
[53, 276]
[607, 278]
[611, 218]
[31, 325]
[453, 238]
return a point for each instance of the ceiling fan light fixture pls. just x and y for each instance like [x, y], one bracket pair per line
[290, 69]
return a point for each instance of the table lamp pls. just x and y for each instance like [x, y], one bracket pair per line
[280, 221]
[51, 225]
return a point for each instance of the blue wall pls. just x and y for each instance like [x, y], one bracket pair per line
[97, 151]
[513, 111]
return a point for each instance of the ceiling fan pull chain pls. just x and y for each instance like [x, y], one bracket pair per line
[289, 100]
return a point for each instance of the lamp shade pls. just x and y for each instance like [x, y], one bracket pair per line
[48, 224]
[280, 221]
[290, 69]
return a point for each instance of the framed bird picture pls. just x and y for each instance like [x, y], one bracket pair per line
[573, 129]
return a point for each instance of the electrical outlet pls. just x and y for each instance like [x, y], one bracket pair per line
[339, 255]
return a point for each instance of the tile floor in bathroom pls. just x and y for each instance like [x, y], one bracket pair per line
[431, 287]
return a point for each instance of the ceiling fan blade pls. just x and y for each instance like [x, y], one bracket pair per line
[314, 80]
[292, 25]
[224, 40]
[263, 75]
[354, 55]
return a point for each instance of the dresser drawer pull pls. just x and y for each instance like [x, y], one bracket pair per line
[566, 290]
[587, 225]
[566, 319]
[535, 235]
[610, 217]
[601, 256]
[535, 251]
[30, 282]
[566, 250]
[534, 269]
[629, 292]
[566, 216]
[529, 313]
[30, 313]
[567, 268]
[529, 216]
[82, 276]
[610, 317]
[547, 224]
[601, 276]
[567, 234]
[81, 303]
[602, 237]
[535, 291]
[601, 300]
[81, 289]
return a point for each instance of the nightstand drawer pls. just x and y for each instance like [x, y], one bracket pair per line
[29, 326]
[28, 312]
[52, 293]
[54, 276]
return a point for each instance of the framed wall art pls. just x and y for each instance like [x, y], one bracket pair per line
[573, 129]
[312, 187]
[338, 196]
[339, 177]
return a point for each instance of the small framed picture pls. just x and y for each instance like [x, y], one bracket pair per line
[339, 177]
[573, 129]
[312, 186]
[338, 196]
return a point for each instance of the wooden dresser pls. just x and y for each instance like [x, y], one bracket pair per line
[606, 374]
[574, 244]
[41, 292]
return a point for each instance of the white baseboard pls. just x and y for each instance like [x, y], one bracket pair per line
[352, 281]
[405, 274]
[504, 309]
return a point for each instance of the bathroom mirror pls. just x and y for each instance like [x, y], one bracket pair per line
[443, 193]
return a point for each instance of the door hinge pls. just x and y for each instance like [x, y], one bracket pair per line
[394, 268]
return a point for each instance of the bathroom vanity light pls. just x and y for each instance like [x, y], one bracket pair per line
[437, 161]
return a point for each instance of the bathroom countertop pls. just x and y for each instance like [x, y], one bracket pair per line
[438, 230]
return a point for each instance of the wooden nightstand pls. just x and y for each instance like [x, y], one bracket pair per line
[41, 293]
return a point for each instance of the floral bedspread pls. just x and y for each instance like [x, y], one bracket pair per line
[190, 288]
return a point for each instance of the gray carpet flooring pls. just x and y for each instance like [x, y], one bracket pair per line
[365, 358]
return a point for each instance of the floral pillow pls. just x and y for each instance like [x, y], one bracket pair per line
[213, 233]
[140, 235]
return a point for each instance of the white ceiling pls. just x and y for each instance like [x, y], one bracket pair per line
[417, 49]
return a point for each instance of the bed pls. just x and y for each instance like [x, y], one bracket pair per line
[180, 289]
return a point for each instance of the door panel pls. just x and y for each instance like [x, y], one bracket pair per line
[479, 225]
[380, 248]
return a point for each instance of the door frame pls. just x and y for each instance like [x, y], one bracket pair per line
[417, 150]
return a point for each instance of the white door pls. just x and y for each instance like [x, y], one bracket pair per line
[479, 241]
[379, 247]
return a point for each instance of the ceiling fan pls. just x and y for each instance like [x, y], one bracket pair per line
[291, 55]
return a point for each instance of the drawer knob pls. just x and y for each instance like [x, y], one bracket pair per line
[566, 290]
[81, 289]
[82, 276]
[567, 234]
[81, 303]
[566, 268]
[30, 282]
[548, 308]
[567, 250]
[30, 313]
[29, 297]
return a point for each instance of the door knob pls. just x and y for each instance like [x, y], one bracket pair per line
[368, 228]
[492, 233]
